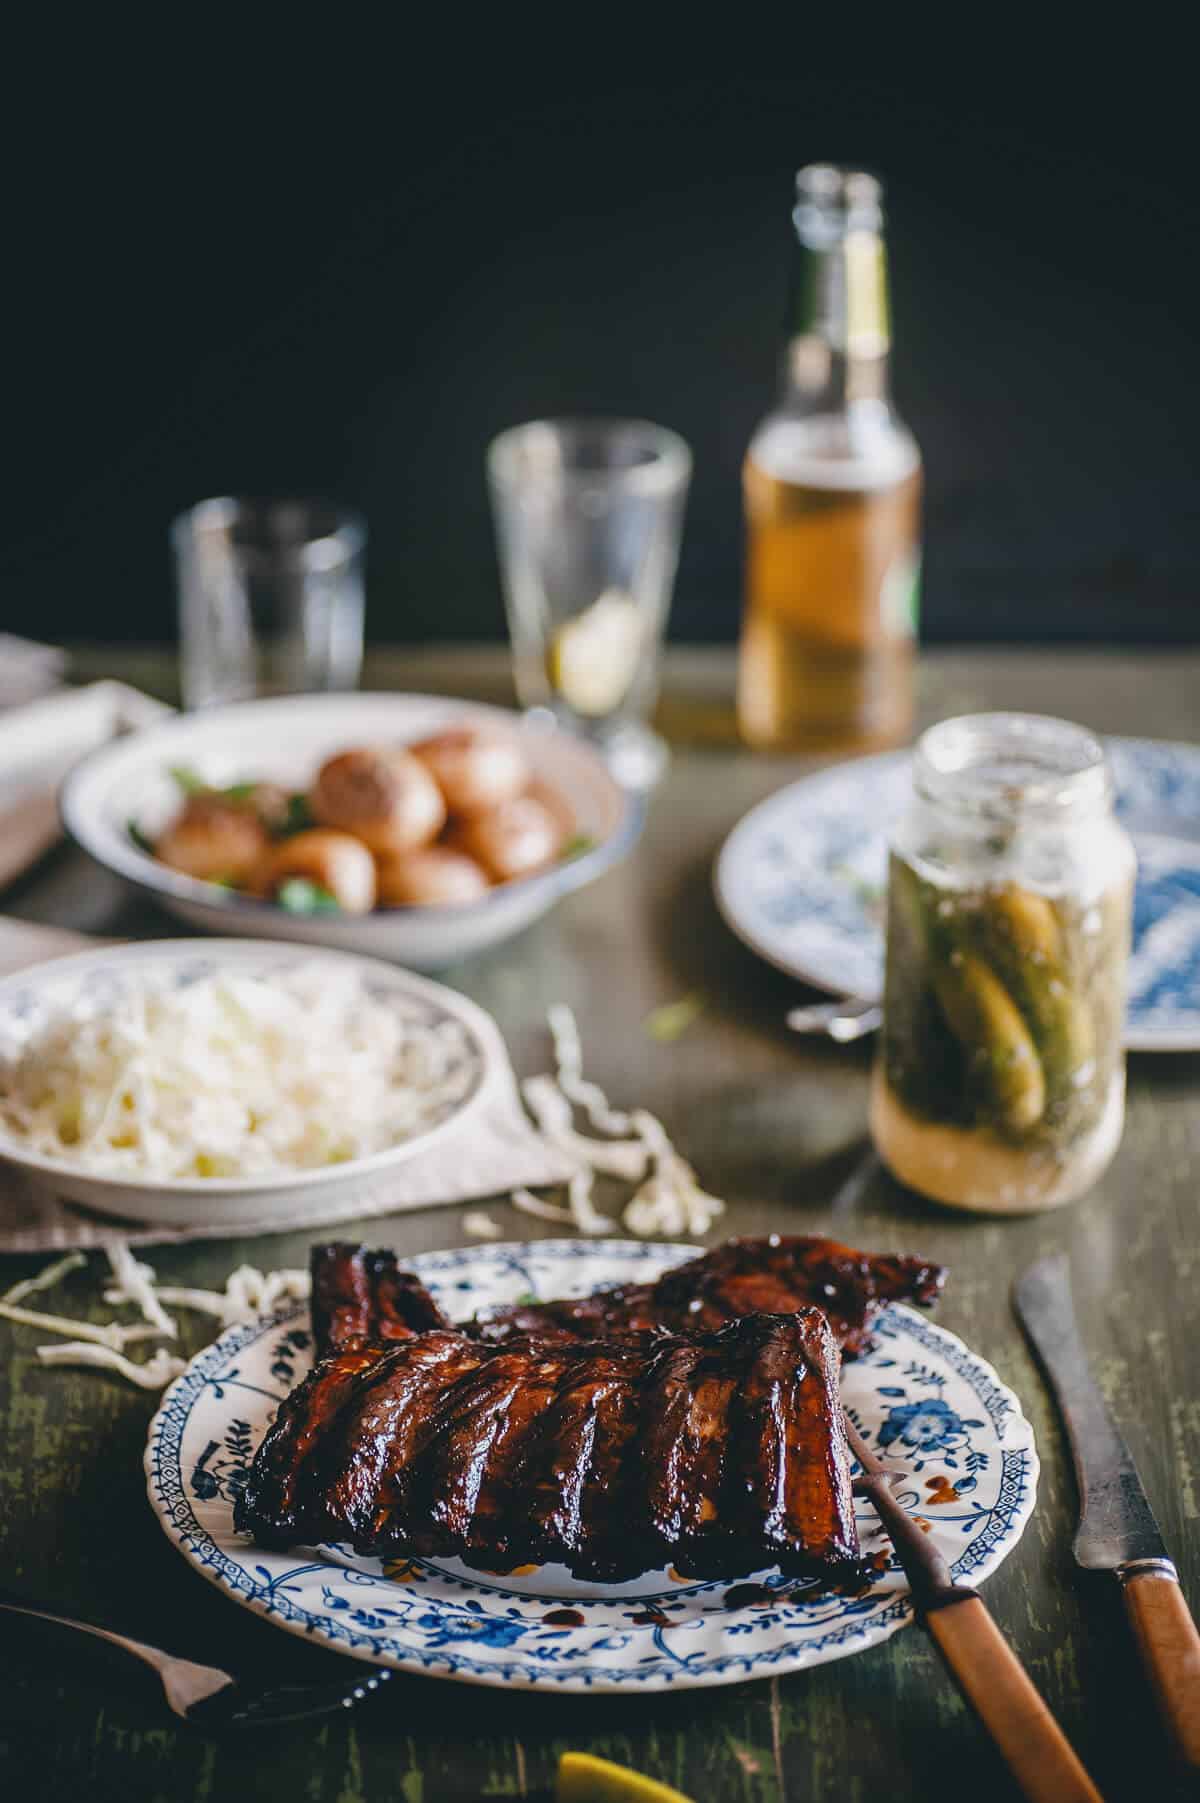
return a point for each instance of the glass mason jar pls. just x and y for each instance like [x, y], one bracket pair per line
[1000, 1080]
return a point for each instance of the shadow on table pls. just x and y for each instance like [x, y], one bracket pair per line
[709, 959]
[791, 1133]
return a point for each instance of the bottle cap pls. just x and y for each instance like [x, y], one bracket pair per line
[830, 202]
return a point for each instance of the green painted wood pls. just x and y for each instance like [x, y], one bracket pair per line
[777, 1126]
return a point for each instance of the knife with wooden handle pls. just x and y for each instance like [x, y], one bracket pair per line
[1117, 1530]
[991, 1677]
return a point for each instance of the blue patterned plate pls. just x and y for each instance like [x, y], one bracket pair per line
[801, 880]
[931, 1408]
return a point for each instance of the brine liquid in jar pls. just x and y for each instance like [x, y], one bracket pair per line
[1000, 1079]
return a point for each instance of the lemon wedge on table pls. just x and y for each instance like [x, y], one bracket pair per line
[594, 657]
[585, 1779]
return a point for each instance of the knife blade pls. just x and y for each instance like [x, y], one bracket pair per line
[1117, 1530]
[1116, 1522]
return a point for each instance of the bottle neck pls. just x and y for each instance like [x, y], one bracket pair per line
[838, 337]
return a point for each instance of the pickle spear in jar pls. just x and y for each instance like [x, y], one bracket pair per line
[1004, 1059]
[1027, 944]
[1000, 1058]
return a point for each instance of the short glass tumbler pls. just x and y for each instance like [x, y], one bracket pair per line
[270, 598]
[588, 517]
[1000, 1080]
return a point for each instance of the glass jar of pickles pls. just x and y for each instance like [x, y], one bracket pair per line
[1000, 1080]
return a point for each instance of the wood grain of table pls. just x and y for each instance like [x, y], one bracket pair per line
[777, 1126]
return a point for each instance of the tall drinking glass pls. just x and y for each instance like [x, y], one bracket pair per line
[270, 598]
[588, 515]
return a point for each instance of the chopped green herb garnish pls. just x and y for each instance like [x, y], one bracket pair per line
[188, 780]
[139, 838]
[576, 846]
[299, 816]
[525, 1298]
[299, 896]
[239, 792]
[674, 1018]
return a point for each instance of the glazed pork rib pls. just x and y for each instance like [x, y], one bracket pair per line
[774, 1275]
[718, 1453]
[357, 1293]
[360, 1292]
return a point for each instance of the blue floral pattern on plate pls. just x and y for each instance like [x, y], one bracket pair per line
[801, 879]
[932, 1410]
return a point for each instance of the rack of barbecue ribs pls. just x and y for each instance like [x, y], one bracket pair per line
[717, 1453]
[361, 1293]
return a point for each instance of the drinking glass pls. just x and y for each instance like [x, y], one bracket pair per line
[588, 515]
[270, 598]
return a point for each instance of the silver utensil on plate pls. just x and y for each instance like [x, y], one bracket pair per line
[210, 1698]
[991, 1677]
[1117, 1530]
[843, 1021]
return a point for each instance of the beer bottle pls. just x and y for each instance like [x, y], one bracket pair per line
[832, 485]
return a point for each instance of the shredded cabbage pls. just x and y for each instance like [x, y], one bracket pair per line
[480, 1226]
[45, 1279]
[112, 1334]
[135, 1283]
[667, 1201]
[231, 1076]
[154, 1374]
[568, 1059]
[527, 1203]
[551, 1109]
[248, 1293]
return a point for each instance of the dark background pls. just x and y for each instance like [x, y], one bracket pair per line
[341, 264]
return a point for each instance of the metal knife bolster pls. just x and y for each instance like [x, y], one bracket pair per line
[1117, 1530]
[1146, 1568]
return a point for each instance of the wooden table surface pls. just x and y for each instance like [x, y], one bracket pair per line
[774, 1124]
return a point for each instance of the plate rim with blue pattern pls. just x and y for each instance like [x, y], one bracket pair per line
[934, 1410]
[799, 878]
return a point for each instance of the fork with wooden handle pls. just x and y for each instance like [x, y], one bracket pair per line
[992, 1678]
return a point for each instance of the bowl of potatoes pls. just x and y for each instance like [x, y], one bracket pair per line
[411, 827]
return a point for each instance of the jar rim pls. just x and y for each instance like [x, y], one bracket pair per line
[1007, 766]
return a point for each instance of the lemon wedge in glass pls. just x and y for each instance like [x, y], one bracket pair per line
[593, 658]
[585, 1779]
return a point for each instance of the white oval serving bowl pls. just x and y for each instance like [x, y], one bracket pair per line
[273, 1200]
[285, 740]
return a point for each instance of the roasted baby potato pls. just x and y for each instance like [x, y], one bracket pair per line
[335, 863]
[431, 876]
[214, 839]
[384, 796]
[475, 769]
[513, 840]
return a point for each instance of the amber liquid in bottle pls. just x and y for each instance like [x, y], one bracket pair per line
[832, 486]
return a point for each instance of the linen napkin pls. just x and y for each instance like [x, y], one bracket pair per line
[39, 743]
[28, 669]
[495, 1150]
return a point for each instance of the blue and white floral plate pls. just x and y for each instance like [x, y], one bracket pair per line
[930, 1408]
[801, 880]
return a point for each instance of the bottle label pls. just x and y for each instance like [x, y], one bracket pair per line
[866, 309]
[900, 598]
